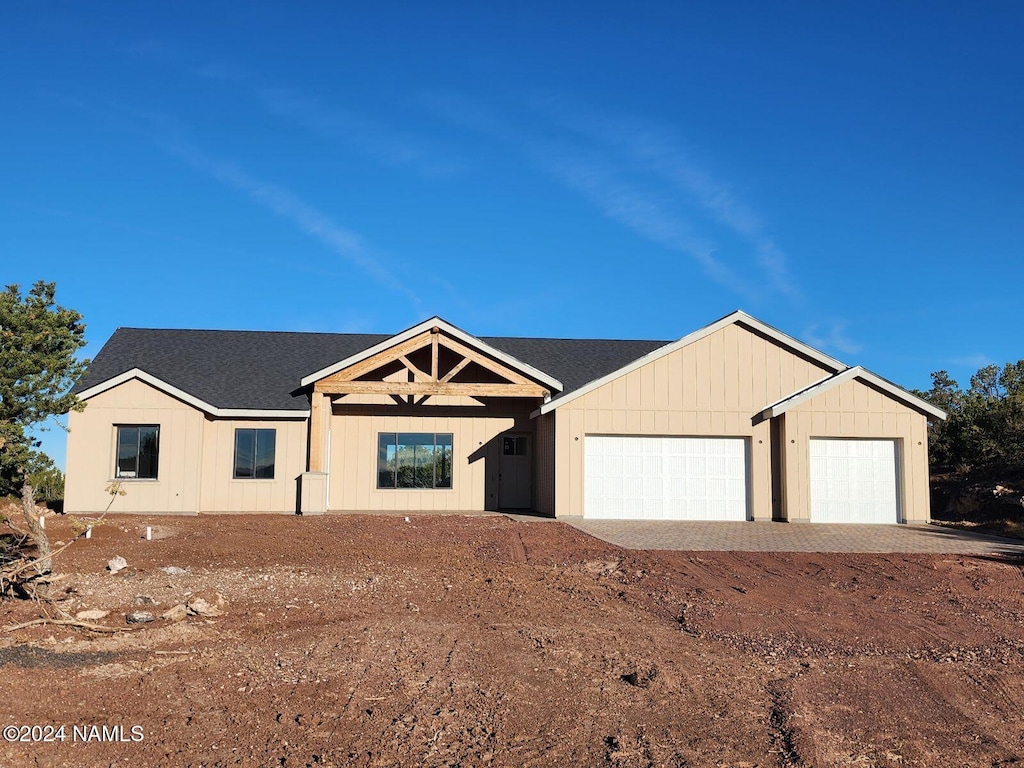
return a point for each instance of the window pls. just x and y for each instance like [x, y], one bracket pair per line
[414, 460]
[138, 452]
[514, 446]
[254, 453]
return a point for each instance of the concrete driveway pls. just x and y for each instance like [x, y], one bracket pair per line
[794, 537]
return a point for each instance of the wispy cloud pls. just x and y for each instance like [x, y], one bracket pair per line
[975, 361]
[372, 137]
[654, 150]
[308, 219]
[832, 336]
[638, 175]
[640, 210]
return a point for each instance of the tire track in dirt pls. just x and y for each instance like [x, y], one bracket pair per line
[953, 697]
[780, 724]
[981, 733]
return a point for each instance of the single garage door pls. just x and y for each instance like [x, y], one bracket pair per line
[665, 478]
[854, 481]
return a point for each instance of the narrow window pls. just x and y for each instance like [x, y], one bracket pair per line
[254, 453]
[514, 446]
[414, 460]
[138, 452]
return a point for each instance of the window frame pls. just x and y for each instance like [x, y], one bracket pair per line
[448, 450]
[255, 454]
[138, 458]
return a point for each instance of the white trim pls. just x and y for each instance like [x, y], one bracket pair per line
[448, 328]
[736, 317]
[857, 372]
[202, 405]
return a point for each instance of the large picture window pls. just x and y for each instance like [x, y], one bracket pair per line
[254, 453]
[414, 460]
[138, 452]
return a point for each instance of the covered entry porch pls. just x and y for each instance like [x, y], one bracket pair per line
[432, 419]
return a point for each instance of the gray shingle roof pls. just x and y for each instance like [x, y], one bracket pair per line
[261, 370]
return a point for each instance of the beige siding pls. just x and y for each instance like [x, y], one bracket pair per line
[92, 451]
[222, 493]
[857, 410]
[476, 448]
[544, 465]
[712, 387]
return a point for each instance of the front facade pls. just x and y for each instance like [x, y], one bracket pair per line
[736, 421]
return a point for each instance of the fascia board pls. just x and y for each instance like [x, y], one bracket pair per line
[735, 317]
[450, 329]
[857, 372]
[807, 393]
[195, 402]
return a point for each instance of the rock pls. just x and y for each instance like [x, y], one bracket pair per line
[172, 570]
[143, 600]
[200, 606]
[139, 617]
[117, 564]
[177, 613]
[93, 614]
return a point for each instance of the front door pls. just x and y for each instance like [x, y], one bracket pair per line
[515, 474]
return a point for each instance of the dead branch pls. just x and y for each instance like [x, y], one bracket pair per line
[69, 623]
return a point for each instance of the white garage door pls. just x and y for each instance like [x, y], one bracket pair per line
[854, 481]
[665, 478]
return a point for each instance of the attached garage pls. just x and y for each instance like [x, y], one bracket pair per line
[854, 481]
[665, 478]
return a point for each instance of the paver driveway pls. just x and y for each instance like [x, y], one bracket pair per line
[793, 537]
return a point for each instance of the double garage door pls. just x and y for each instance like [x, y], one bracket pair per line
[697, 478]
[665, 478]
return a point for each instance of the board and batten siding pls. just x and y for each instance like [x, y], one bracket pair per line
[93, 451]
[855, 409]
[221, 492]
[712, 387]
[476, 448]
[544, 465]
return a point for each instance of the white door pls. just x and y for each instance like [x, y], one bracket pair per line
[854, 481]
[665, 478]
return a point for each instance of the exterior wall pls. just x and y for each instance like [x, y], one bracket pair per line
[856, 410]
[476, 447]
[544, 465]
[712, 387]
[92, 451]
[220, 492]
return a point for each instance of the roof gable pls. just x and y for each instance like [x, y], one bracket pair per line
[185, 397]
[857, 372]
[421, 328]
[738, 317]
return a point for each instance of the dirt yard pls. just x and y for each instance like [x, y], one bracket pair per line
[483, 641]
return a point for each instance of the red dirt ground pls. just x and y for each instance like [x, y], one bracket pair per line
[482, 641]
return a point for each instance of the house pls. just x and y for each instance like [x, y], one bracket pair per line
[736, 421]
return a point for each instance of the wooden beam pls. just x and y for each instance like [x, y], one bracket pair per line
[486, 362]
[434, 333]
[435, 388]
[316, 431]
[455, 371]
[416, 372]
[389, 355]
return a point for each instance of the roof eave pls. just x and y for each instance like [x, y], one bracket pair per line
[195, 402]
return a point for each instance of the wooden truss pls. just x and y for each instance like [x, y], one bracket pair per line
[375, 376]
[356, 378]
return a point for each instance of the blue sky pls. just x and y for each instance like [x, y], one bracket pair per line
[852, 174]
